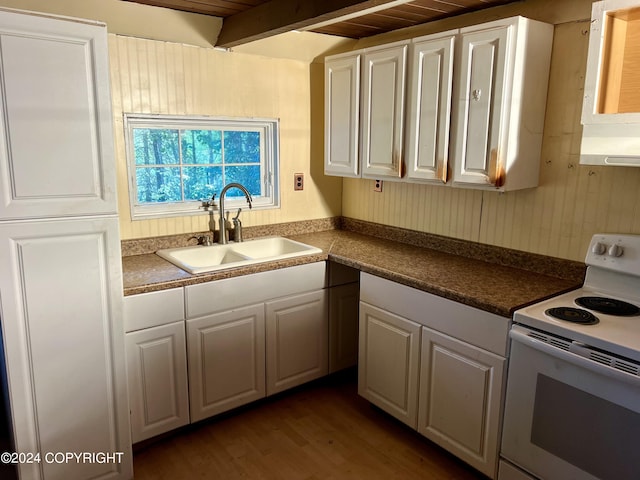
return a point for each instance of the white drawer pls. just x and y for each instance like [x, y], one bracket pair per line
[153, 309]
[229, 293]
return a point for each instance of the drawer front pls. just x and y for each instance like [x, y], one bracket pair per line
[229, 293]
[153, 309]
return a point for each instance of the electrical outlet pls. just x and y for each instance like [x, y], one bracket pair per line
[298, 181]
[377, 186]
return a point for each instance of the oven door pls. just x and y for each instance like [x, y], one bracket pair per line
[567, 416]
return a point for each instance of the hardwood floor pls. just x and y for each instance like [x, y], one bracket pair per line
[320, 431]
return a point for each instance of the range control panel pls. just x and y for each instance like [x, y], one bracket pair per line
[615, 252]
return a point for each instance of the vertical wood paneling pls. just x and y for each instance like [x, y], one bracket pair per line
[166, 78]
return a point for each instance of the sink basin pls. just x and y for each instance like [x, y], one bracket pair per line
[201, 259]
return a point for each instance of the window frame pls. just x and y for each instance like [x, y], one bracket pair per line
[269, 161]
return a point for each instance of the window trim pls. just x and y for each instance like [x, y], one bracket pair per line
[270, 180]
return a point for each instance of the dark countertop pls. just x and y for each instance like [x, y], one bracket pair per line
[493, 287]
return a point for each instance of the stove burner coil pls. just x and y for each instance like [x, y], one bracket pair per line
[574, 315]
[608, 306]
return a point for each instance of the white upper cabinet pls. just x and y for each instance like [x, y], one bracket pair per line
[364, 112]
[383, 92]
[500, 103]
[481, 129]
[611, 107]
[56, 141]
[342, 115]
[429, 107]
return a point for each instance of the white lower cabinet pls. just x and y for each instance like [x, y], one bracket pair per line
[436, 365]
[255, 335]
[297, 340]
[460, 398]
[156, 354]
[157, 370]
[226, 360]
[204, 349]
[388, 363]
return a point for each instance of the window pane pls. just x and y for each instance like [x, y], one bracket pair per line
[178, 161]
[241, 147]
[155, 147]
[200, 183]
[248, 176]
[158, 185]
[202, 146]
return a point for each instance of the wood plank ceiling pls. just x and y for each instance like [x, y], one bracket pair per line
[248, 20]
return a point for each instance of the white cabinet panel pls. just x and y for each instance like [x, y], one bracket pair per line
[429, 107]
[229, 293]
[482, 82]
[460, 399]
[342, 115]
[157, 371]
[56, 141]
[226, 360]
[153, 309]
[384, 79]
[343, 326]
[388, 362]
[499, 104]
[297, 340]
[64, 345]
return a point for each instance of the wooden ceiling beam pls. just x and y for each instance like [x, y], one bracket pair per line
[279, 16]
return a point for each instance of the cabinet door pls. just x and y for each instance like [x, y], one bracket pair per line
[429, 108]
[157, 371]
[297, 340]
[226, 360]
[342, 115]
[460, 399]
[383, 111]
[61, 310]
[343, 326]
[388, 361]
[480, 97]
[56, 139]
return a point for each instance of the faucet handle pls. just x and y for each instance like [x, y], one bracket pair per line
[209, 203]
[235, 219]
[202, 240]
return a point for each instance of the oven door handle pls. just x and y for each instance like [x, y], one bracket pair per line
[519, 334]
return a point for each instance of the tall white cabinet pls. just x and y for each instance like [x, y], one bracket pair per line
[61, 282]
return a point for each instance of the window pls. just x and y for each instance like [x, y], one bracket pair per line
[176, 162]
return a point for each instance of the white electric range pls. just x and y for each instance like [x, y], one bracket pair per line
[572, 407]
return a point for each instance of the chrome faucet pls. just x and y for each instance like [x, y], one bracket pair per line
[223, 225]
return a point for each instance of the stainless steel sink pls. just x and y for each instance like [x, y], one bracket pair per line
[202, 259]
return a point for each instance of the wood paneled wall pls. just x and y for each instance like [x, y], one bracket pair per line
[168, 78]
